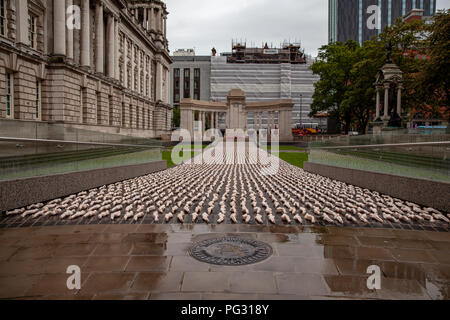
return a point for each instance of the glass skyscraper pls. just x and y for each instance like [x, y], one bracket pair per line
[347, 19]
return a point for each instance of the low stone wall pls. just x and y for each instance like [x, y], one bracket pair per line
[22, 192]
[424, 192]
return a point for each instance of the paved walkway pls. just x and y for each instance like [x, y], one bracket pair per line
[151, 262]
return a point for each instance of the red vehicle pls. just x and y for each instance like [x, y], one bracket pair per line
[307, 129]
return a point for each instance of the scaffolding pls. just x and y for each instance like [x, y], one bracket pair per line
[287, 53]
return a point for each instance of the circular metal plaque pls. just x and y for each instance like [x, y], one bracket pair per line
[230, 251]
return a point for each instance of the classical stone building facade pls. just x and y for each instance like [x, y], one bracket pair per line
[108, 73]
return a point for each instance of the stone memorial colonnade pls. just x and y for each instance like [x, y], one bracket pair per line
[235, 111]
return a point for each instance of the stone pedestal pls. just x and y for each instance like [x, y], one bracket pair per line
[378, 126]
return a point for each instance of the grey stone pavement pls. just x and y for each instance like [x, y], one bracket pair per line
[152, 262]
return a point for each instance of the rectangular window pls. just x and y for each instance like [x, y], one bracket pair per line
[123, 115]
[187, 83]
[9, 95]
[153, 84]
[176, 86]
[111, 110]
[196, 84]
[84, 105]
[137, 117]
[3, 17]
[37, 105]
[32, 30]
[99, 108]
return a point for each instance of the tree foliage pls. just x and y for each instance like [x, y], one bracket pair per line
[347, 71]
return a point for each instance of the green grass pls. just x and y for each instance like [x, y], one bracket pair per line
[296, 159]
[167, 155]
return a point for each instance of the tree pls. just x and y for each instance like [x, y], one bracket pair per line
[334, 65]
[176, 117]
[434, 78]
[348, 71]
[360, 96]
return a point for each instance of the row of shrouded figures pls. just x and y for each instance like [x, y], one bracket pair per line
[234, 193]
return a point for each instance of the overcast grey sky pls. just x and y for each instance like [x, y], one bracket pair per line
[203, 24]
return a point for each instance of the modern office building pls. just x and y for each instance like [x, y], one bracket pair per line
[354, 19]
[107, 73]
[264, 74]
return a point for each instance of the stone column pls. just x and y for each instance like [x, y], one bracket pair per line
[159, 21]
[165, 27]
[269, 120]
[133, 49]
[138, 76]
[110, 37]
[59, 27]
[285, 127]
[399, 99]
[144, 23]
[125, 62]
[386, 101]
[151, 24]
[378, 103]
[85, 35]
[22, 22]
[158, 81]
[260, 115]
[99, 54]
[217, 119]
[147, 22]
[203, 121]
[117, 48]
[69, 36]
[211, 120]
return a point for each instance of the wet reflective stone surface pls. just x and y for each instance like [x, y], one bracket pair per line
[153, 262]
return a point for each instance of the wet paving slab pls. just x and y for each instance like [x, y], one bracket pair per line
[153, 262]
